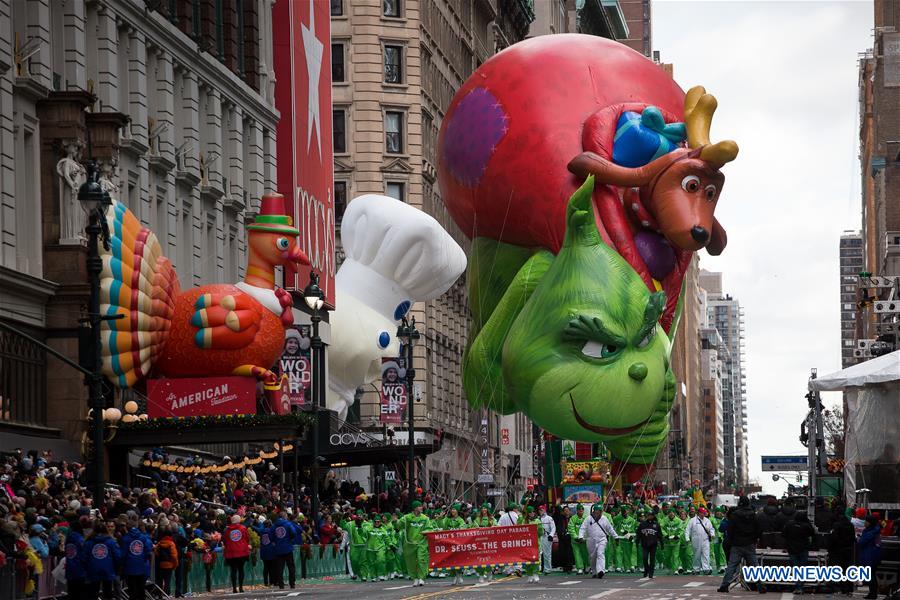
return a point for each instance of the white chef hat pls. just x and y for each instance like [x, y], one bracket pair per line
[396, 255]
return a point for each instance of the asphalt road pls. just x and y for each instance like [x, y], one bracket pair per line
[556, 586]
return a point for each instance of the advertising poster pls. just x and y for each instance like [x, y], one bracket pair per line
[194, 397]
[393, 390]
[295, 364]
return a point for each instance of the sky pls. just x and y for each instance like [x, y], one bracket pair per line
[785, 75]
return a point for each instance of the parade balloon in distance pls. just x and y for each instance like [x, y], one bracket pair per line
[396, 256]
[519, 139]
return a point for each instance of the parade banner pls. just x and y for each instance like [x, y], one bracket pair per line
[295, 364]
[482, 546]
[301, 40]
[196, 396]
[393, 390]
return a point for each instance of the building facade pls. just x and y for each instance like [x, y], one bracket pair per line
[714, 357]
[396, 66]
[176, 104]
[851, 264]
[724, 313]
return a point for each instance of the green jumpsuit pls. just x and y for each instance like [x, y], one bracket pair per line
[535, 567]
[662, 551]
[376, 550]
[358, 559]
[685, 549]
[674, 528]
[579, 548]
[716, 551]
[415, 544]
[626, 555]
[456, 522]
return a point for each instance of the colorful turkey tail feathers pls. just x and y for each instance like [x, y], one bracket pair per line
[139, 283]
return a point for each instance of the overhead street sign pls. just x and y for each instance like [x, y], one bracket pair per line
[785, 463]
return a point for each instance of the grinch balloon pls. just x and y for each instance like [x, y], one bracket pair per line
[586, 180]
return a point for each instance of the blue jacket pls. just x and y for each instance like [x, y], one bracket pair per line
[75, 570]
[868, 548]
[266, 543]
[39, 546]
[283, 533]
[137, 548]
[102, 556]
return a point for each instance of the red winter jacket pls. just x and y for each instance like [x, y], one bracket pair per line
[237, 542]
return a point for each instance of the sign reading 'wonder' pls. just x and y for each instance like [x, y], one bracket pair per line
[482, 546]
[192, 397]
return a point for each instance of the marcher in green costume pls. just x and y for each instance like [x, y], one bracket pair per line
[484, 519]
[674, 526]
[454, 521]
[579, 547]
[612, 545]
[685, 550]
[376, 550]
[663, 551]
[626, 528]
[391, 553]
[718, 554]
[530, 518]
[358, 558]
[415, 545]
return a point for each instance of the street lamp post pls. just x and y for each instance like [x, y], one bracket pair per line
[408, 334]
[315, 299]
[95, 200]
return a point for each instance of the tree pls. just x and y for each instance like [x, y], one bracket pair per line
[834, 431]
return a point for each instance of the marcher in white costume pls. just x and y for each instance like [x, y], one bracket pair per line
[700, 532]
[546, 541]
[595, 531]
[396, 255]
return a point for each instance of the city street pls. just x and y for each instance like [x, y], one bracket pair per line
[612, 587]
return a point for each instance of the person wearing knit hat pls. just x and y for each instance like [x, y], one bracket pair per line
[859, 520]
[237, 552]
[412, 527]
[579, 548]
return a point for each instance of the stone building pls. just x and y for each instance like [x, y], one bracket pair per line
[396, 65]
[175, 101]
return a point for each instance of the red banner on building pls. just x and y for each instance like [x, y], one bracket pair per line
[393, 390]
[301, 39]
[195, 396]
[459, 548]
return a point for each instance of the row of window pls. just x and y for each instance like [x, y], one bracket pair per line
[389, 8]
[394, 127]
[393, 63]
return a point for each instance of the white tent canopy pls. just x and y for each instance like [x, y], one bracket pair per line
[877, 370]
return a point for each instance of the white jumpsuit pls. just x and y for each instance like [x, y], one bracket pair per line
[595, 533]
[545, 542]
[700, 532]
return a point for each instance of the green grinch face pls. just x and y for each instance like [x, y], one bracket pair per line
[586, 358]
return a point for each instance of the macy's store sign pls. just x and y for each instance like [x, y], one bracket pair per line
[193, 396]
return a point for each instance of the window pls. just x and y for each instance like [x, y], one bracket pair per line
[337, 62]
[395, 190]
[337, 8]
[340, 201]
[391, 8]
[393, 66]
[393, 132]
[338, 128]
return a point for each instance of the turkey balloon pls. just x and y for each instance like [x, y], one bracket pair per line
[211, 330]
[586, 179]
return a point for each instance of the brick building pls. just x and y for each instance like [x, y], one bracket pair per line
[176, 102]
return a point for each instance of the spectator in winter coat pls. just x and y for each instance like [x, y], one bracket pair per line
[868, 552]
[744, 532]
[237, 550]
[800, 537]
[102, 556]
[76, 574]
[137, 550]
[768, 516]
[38, 541]
[859, 521]
[166, 560]
[785, 515]
[840, 546]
